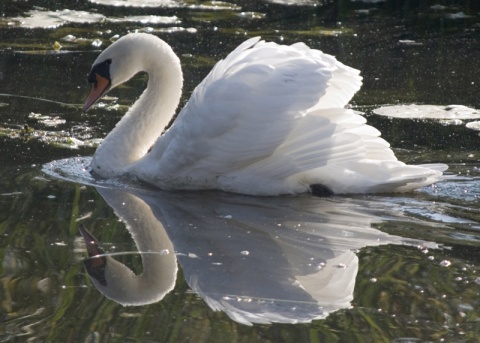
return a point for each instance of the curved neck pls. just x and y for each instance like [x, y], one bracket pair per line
[159, 261]
[138, 130]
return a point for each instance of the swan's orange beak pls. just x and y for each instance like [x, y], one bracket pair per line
[100, 87]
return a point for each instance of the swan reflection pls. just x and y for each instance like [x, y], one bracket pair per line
[259, 260]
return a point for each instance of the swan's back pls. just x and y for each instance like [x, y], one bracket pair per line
[271, 119]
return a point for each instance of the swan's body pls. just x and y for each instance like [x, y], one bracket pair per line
[267, 120]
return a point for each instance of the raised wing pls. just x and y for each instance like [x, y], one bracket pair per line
[263, 100]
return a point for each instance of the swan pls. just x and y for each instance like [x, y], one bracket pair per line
[268, 119]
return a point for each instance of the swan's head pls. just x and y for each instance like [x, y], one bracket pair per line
[117, 64]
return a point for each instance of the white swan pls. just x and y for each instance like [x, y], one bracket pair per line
[269, 119]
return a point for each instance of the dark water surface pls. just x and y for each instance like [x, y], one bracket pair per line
[384, 268]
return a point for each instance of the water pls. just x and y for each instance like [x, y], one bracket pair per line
[384, 268]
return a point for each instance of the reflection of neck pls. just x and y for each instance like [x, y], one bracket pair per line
[158, 258]
[138, 130]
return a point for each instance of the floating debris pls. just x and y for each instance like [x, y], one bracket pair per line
[57, 46]
[251, 15]
[69, 38]
[138, 3]
[445, 263]
[147, 19]
[363, 11]
[438, 7]
[97, 43]
[448, 122]
[46, 120]
[369, 1]
[409, 42]
[428, 112]
[474, 125]
[174, 29]
[295, 2]
[54, 19]
[212, 5]
[61, 139]
[458, 15]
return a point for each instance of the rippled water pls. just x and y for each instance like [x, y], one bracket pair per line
[383, 268]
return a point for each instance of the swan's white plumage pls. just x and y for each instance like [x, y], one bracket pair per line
[269, 119]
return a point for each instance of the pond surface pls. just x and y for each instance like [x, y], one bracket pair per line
[215, 267]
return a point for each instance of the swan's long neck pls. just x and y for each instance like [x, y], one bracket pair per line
[117, 281]
[138, 130]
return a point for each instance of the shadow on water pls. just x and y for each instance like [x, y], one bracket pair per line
[345, 269]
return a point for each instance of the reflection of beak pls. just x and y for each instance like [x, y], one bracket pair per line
[95, 264]
[91, 242]
[100, 87]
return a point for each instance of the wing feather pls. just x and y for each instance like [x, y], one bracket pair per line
[251, 104]
[271, 119]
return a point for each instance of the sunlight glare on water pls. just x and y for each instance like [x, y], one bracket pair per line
[428, 112]
[139, 3]
[51, 20]
[54, 19]
[208, 5]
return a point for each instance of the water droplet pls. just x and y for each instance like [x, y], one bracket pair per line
[445, 263]
[97, 43]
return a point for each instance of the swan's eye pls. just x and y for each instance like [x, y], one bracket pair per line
[102, 69]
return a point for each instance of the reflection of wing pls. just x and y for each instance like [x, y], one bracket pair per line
[263, 260]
